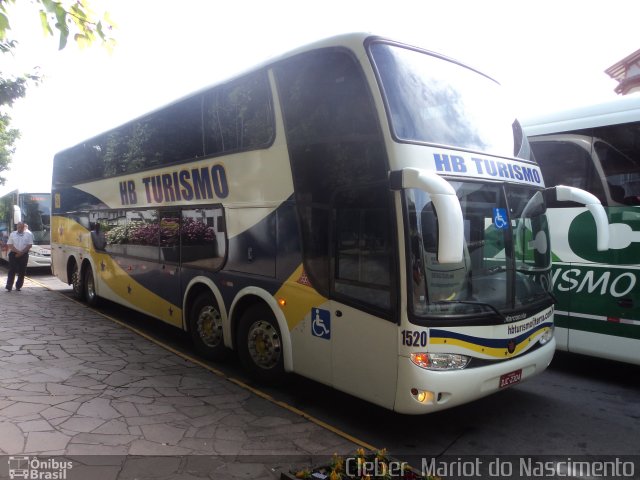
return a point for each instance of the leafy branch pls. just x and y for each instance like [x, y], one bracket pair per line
[63, 17]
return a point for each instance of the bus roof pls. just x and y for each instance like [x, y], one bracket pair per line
[614, 112]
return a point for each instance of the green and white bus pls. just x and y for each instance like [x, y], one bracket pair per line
[595, 148]
[359, 211]
[35, 210]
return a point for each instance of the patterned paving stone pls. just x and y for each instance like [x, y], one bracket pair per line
[82, 424]
[35, 426]
[46, 441]
[75, 383]
[11, 438]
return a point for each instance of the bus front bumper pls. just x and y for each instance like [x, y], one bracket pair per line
[445, 389]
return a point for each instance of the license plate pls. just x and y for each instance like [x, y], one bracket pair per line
[510, 378]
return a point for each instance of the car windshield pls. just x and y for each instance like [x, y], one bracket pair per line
[507, 259]
[434, 100]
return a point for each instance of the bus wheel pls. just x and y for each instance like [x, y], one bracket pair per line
[89, 284]
[260, 345]
[76, 282]
[205, 326]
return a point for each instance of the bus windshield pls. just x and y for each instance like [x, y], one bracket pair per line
[431, 100]
[507, 259]
[36, 211]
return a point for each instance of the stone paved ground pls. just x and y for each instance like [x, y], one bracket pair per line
[74, 383]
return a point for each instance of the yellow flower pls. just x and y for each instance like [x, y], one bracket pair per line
[337, 462]
[360, 452]
[382, 454]
[334, 475]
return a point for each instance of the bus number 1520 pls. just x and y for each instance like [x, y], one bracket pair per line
[412, 338]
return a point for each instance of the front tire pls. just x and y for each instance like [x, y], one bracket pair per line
[205, 327]
[260, 345]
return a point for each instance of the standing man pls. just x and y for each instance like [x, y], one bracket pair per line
[19, 244]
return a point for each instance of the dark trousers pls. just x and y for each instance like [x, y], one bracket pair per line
[17, 265]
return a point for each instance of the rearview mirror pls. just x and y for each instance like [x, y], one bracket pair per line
[447, 207]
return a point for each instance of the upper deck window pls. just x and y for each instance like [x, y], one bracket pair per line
[437, 101]
[229, 118]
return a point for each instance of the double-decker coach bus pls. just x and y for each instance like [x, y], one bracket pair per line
[596, 148]
[35, 210]
[359, 211]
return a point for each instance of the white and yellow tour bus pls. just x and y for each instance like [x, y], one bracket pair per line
[595, 148]
[360, 212]
[35, 210]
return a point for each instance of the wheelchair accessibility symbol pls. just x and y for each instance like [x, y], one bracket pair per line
[321, 323]
[500, 218]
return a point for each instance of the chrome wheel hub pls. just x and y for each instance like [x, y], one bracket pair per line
[265, 346]
[210, 326]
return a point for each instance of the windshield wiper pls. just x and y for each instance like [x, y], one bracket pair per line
[499, 268]
[472, 302]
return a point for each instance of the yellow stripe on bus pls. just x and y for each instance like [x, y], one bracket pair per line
[116, 278]
[490, 351]
[134, 293]
[299, 298]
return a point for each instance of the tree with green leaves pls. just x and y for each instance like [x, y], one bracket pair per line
[65, 18]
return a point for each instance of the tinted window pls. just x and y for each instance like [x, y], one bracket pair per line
[195, 237]
[202, 238]
[167, 136]
[567, 163]
[618, 150]
[238, 115]
[170, 135]
[334, 142]
[435, 100]
[229, 118]
[136, 233]
[363, 233]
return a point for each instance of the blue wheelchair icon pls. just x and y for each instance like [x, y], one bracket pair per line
[321, 323]
[500, 218]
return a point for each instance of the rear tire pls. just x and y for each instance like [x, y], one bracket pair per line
[260, 345]
[76, 282]
[205, 327]
[89, 286]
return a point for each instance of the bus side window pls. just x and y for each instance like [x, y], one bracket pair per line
[143, 234]
[363, 246]
[567, 163]
[97, 236]
[334, 143]
[202, 238]
[238, 115]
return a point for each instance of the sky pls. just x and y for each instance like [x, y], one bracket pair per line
[547, 54]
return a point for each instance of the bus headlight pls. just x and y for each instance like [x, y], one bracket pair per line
[440, 361]
[547, 335]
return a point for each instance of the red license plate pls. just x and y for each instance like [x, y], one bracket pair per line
[510, 378]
